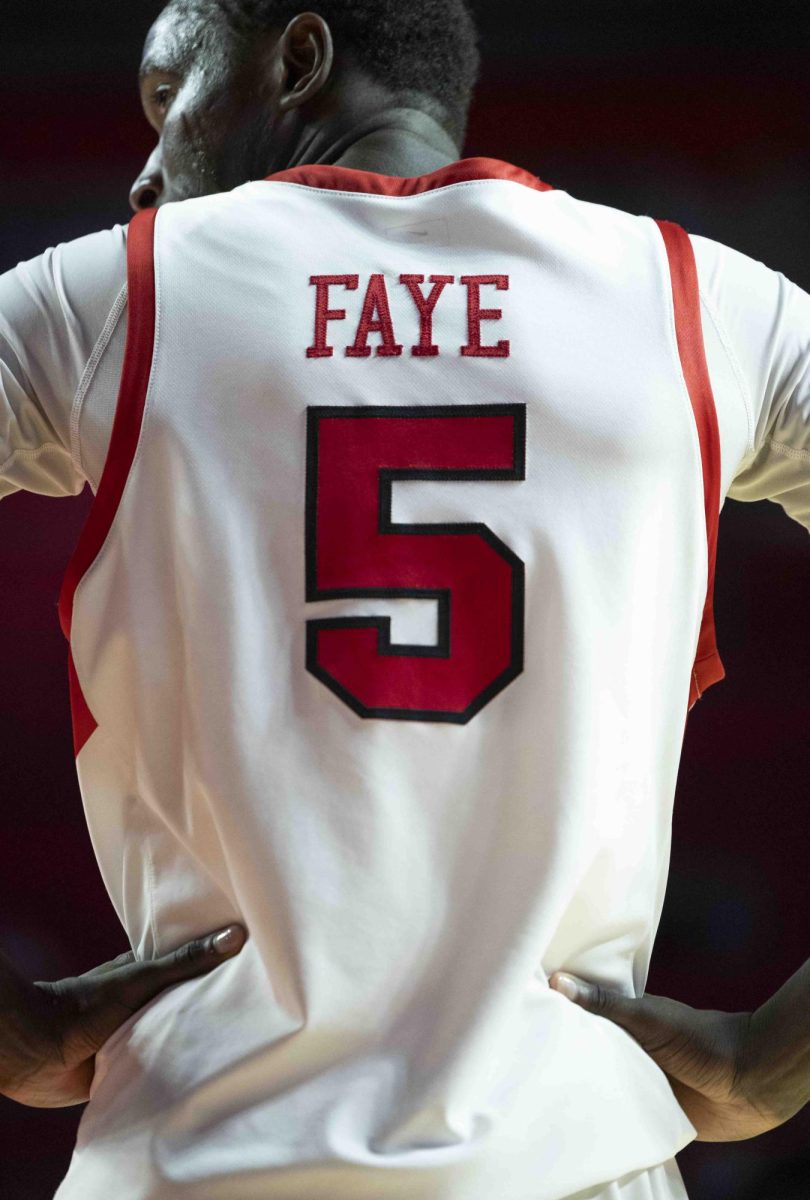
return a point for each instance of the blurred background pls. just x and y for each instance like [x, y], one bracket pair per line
[695, 112]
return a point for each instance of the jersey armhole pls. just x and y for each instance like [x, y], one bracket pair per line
[126, 430]
[707, 668]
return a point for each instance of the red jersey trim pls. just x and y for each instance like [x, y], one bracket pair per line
[708, 667]
[347, 179]
[123, 441]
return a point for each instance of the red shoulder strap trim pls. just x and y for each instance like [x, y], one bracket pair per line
[347, 179]
[123, 440]
[708, 667]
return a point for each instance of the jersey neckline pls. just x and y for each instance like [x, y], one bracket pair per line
[348, 179]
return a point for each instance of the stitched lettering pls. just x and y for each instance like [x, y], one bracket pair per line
[425, 306]
[323, 313]
[376, 301]
[476, 314]
[375, 315]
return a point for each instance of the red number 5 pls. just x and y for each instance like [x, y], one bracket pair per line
[354, 454]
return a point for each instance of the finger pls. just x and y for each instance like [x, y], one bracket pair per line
[135, 984]
[656, 1022]
[58, 988]
[592, 996]
[121, 960]
[200, 954]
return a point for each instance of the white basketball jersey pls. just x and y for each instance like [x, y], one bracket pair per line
[384, 627]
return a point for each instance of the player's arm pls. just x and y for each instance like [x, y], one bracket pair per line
[762, 321]
[776, 1058]
[53, 310]
[50, 1032]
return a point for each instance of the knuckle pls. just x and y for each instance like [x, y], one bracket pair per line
[601, 999]
[190, 954]
[124, 959]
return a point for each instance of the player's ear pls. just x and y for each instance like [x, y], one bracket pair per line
[307, 53]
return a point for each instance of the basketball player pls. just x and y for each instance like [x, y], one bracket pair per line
[385, 623]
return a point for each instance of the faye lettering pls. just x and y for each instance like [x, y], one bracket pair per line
[375, 315]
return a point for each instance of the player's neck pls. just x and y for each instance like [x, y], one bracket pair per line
[394, 141]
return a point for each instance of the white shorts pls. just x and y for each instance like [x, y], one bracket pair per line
[663, 1182]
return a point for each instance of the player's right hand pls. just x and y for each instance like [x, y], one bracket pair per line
[703, 1052]
[50, 1032]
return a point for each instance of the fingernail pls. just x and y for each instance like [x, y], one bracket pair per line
[568, 985]
[228, 939]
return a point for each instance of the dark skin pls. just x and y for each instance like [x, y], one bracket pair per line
[226, 113]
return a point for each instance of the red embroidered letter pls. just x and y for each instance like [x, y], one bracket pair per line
[324, 314]
[376, 301]
[426, 307]
[476, 314]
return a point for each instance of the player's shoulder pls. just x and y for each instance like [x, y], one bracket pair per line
[85, 257]
[604, 235]
[728, 273]
[189, 215]
[597, 212]
[727, 277]
[752, 302]
[73, 282]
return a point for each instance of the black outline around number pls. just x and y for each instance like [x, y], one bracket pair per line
[387, 476]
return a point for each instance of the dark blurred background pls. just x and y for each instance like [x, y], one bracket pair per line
[695, 112]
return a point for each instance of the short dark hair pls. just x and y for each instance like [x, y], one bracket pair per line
[424, 51]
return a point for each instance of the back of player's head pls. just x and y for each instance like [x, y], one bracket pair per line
[424, 51]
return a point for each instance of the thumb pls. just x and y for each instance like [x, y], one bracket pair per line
[597, 999]
[663, 1027]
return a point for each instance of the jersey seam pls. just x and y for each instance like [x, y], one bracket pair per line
[467, 183]
[789, 451]
[102, 342]
[30, 452]
[736, 369]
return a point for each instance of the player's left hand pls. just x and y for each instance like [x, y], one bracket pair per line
[50, 1032]
[703, 1052]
